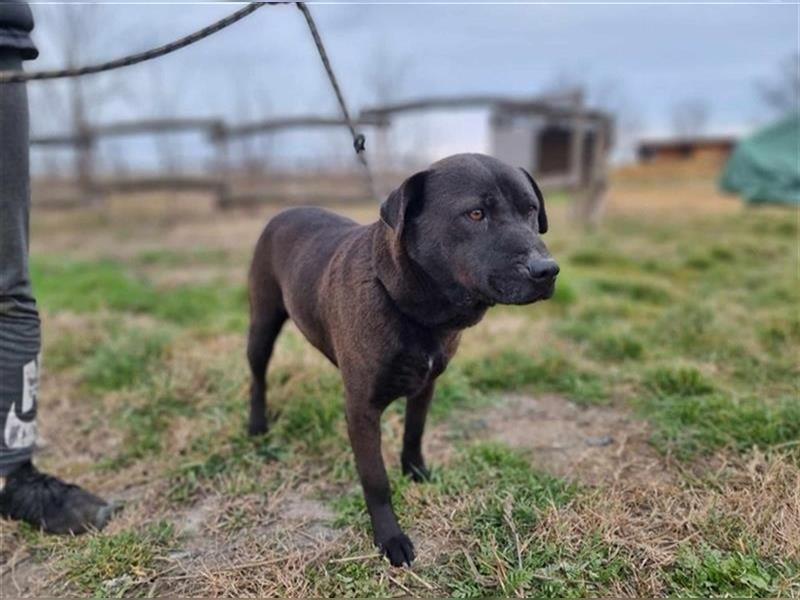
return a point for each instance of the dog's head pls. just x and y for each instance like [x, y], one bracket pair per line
[474, 225]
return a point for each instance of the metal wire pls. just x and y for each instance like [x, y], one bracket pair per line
[359, 140]
[132, 59]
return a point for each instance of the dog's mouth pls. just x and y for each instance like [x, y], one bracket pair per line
[521, 290]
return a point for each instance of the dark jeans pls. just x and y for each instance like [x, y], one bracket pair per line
[20, 340]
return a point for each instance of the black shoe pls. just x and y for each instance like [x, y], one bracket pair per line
[50, 504]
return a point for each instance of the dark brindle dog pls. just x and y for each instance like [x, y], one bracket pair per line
[386, 302]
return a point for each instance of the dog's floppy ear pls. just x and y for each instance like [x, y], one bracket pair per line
[403, 202]
[542, 211]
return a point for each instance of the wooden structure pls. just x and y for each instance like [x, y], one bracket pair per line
[563, 143]
[672, 150]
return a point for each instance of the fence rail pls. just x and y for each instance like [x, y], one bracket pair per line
[588, 157]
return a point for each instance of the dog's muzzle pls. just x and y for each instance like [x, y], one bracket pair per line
[526, 282]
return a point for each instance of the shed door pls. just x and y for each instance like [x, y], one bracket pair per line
[553, 154]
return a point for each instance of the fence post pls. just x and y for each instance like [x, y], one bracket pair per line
[221, 140]
[594, 195]
[87, 189]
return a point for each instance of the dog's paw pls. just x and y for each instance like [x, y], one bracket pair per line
[418, 473]
[398, 549]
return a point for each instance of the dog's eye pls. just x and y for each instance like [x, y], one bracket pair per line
[531, 210]
[476, 214]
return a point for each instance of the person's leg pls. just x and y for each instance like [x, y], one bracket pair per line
[19, 319]
[25, 494]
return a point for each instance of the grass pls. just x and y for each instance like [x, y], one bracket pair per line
[689, 425]
[496, 500]
[108, 566]
[548, 372]
[183, 258]
[503, 521]
[235, 467]
[310, 412]
[678, 381]
[123, 359]
[653, 317]
[708, 572]
[86, 287]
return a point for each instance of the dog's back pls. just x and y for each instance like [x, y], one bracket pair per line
[289, 263]
[285, 246]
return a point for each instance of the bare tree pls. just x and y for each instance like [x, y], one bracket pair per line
[567, 85]
[781, 94]
[255, 151]
[385, 79]
[690, 117]
[78, 24]
[70, 36]
[163, 99]
[386, 75]
[612, 97]
[621, 131]
[608, 95]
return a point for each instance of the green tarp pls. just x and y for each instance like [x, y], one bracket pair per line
[765, 167]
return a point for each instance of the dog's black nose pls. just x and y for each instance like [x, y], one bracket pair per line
[543, 268]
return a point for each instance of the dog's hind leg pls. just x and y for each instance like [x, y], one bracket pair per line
[266, 319]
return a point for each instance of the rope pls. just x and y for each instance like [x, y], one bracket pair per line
[359, 140]
[126, 61]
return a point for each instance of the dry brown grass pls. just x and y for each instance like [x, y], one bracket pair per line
[743, 503]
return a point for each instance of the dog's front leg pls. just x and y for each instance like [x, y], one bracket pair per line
[364, 428]
[416, 414]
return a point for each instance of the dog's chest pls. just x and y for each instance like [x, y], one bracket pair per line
[412, 370]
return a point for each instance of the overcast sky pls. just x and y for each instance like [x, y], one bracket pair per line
[639, 59]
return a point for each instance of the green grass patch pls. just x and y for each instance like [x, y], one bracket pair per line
[455, 391]
[550, 372]
[213, 461]
[146, 418]
[70, 349]
[104, 565]
[693, 328]
[707, 572]
[204, 305]
[109, 565]
[678, 381]
[87, 287]
[596, 256]
[695, 424]
[781, 335]
[123, 360]
[616, 347]
[175, 258]
[637, 291]
[492, 464]
[565, 293]
[310, 411]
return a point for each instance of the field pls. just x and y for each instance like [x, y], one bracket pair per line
[639, 434]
